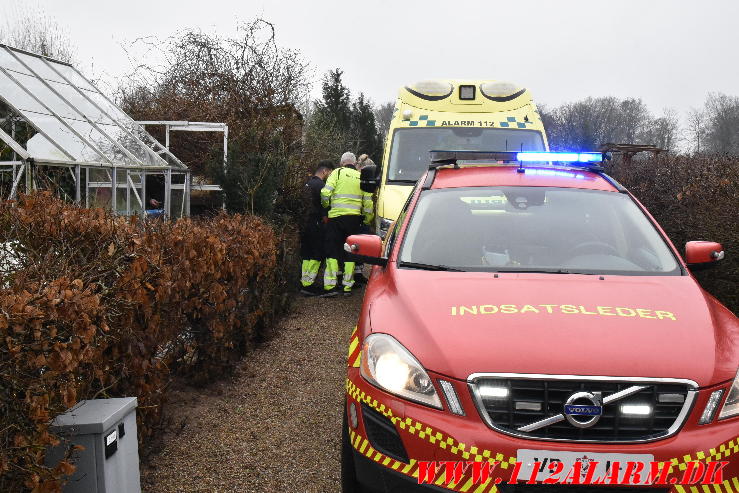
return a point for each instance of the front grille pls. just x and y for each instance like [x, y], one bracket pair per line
[529, 400]
[565, 488]
[382, 434]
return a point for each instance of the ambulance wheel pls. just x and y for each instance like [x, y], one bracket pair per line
[349, 482]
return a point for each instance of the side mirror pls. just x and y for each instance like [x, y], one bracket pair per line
[703, 254]
[369, 178]
[366, 249]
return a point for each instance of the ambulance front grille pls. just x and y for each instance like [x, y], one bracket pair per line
[511, 402]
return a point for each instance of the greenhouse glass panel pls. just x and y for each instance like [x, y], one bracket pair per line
[99, 193]
[45, 95]
[136, 201]
[38, 66]
[72, 76]
[8, 61]
[63, 120]
[121, 196]
[129, 126]
[80, 103]
[38, 86]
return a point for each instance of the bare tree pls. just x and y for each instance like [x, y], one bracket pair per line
[30, 28]
[383, 116]
[696, 130]
[634, 121]
[664, 131]
[246, 81]
[585, 124]
[722, 115]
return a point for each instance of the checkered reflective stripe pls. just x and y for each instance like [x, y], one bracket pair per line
[509, 122]
[423, 121]
[513, 122]
[472, 453]
[418, 429]
[728, 486]
[715, 454]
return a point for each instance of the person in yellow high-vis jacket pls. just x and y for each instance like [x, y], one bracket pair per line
[349, 207]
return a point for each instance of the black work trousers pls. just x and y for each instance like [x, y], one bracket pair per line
[312, 240]
[337, 230]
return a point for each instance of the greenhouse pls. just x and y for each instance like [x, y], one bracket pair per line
[58, 132]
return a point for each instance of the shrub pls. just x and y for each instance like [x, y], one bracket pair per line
[693, 198]
[93, 305]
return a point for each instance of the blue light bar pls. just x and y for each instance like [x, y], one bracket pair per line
[560, 157]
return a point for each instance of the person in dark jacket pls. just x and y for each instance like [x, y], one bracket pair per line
[312, 233]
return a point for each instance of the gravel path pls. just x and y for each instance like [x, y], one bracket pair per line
[275, 426]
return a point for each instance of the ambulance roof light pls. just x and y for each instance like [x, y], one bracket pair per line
[432, 90]
[500, 91]
[499, 88]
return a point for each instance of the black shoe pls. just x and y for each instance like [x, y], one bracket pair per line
[311, 291]
[329, 293]
[347, 293]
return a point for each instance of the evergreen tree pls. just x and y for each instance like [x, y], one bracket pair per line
[338, 123]
[364, 129]
[334, 108]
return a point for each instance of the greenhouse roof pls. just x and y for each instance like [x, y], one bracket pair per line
[75, 123]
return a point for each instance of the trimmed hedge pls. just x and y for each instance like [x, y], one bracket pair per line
[693, 198]
[94, 305]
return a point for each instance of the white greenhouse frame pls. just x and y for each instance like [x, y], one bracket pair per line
[75, 126]
[185, 126]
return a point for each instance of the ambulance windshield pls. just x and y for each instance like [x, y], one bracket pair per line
[535, 229]
[409, 156]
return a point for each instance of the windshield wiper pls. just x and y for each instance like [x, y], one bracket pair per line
[541, 271]
[416, 265]
[402, 181]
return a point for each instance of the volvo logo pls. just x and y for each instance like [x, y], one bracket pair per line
[584, 409]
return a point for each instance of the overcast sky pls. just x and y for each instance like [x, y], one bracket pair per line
[670, 53]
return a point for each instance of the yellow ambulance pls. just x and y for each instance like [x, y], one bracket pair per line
[451, 115]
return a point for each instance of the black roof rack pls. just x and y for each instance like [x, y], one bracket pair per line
[445, 158]
[452, 158]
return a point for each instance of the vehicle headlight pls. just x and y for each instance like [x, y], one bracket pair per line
[731, 406]
[384, 226]
[390, 366]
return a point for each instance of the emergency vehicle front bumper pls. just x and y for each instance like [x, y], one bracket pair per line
[438, 435]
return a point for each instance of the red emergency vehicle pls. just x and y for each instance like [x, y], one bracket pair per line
[527, 312]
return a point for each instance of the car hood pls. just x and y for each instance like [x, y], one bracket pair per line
[457, 324]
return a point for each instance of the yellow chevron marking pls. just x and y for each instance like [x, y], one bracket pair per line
[353, 345]
[465, 487]
[482, 487]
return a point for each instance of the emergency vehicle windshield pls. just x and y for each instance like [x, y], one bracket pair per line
[409, 155]
[534, 229]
